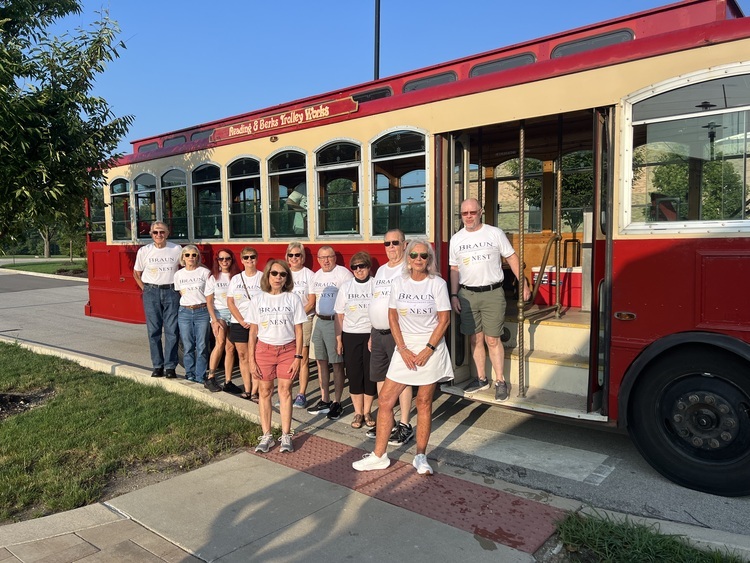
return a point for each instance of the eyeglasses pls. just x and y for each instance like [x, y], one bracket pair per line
[356, 267]
[275, 273]
[224, 258]
[391, 242]
[250, 257]
[465, 213]
[331, 257]
[294, 255]
[158, 232]
[422, 255]
[190, 255]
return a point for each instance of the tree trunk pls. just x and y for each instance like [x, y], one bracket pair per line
[46, 234]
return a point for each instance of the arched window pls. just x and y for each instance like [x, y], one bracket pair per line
[145, 203]
[244, 189]
[174, 203]
[337, 167]
[119, 193]
[287, 185]
[207, 202]
[399, 174]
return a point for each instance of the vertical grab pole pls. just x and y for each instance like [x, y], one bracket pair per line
[558, 215]
[521, 263]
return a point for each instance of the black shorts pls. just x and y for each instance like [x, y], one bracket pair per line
[383, 346]
[238, 333]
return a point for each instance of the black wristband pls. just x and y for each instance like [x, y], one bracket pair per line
[297, 357]
[430, 346]
[454, 294]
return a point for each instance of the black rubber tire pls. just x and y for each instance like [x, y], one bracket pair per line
[689, 416]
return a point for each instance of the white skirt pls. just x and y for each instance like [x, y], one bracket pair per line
[437, 369]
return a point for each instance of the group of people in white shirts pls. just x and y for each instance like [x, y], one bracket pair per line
[385, 333]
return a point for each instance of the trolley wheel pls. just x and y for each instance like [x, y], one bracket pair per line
[689, 416]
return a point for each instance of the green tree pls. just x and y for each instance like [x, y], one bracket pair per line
[577, 185]
[58, 138]
[721, 187]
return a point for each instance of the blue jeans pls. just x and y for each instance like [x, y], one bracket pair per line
[194, 325]
[160, 307]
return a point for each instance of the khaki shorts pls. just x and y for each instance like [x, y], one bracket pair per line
[307, 331]
[323, 342]
[482, 311]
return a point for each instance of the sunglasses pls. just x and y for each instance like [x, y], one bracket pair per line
[294, 255]
[275, 273]
[391, 242]
[224, 258]
[415, 255]
[250, 257]
[356, 267]
[190, 255]
[465, 213]
[158, 232]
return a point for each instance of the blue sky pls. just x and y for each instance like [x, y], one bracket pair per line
[188, 61]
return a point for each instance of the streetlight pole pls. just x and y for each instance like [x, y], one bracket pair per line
[377, 39]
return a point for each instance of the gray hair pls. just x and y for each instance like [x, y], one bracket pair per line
[432, 270]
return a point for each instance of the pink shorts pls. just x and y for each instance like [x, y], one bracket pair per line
[275, 361]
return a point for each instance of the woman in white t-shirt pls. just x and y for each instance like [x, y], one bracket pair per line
[193, 318]
[243, 289]
[295, 257]
[275, 348]
[353, 327]
[418, 314]
[217, 287]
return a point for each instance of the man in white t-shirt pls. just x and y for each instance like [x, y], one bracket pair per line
[154, 270]
[325, 286]
[382, 344]
[477, 295]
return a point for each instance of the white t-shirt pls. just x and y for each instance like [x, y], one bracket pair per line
[478, 255]
[244, 289]
[302, 280]
[418, 303]
[325, 286]
[381, 292]
[158, 265]
[353, 301]
[219, 288]
[192, 285]
[276, 316]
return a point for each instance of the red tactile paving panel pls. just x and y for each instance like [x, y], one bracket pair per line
[488, 513]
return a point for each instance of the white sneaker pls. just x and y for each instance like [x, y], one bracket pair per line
[266, 443]
[286, 443]
[421, 465]
[371, 461]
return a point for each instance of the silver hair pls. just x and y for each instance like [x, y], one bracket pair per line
[432, 270]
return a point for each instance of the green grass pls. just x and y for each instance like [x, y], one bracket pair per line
[595, 538]
[48, 267]
[63, 454]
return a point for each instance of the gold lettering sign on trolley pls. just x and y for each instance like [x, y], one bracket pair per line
[289, 118]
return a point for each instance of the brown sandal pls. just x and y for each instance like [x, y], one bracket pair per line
[358, 420]
[369, 421]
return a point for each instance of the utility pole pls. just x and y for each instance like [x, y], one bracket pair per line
[377, 40]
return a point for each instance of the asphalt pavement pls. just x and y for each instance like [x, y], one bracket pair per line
[294, 507]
